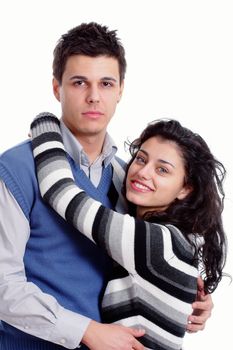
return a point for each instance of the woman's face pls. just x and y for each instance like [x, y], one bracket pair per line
[157, 176]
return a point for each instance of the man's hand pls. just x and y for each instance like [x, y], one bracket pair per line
[202, 308]
[100, 336]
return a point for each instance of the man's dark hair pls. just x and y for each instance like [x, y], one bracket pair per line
[90, 39]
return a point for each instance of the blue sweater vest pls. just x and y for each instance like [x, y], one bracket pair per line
[58, 260]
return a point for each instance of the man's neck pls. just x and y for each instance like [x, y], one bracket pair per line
[92, 146]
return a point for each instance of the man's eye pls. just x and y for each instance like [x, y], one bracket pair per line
[106, 84]
[79, 82]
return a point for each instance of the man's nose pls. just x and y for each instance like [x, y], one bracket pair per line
[93, 95]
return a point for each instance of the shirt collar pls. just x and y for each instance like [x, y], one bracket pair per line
[75, 149]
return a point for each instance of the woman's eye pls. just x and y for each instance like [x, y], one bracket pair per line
[140, 159]
[162, 170]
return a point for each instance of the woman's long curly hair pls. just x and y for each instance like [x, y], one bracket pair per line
[199, 214]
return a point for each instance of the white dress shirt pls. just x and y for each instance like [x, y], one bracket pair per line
[25, 306]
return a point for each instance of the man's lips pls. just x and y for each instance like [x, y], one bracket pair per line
[140, 187]
[92, 114]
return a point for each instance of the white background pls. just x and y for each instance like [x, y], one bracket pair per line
[180, 65]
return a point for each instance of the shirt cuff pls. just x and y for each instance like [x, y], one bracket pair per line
[69, 329]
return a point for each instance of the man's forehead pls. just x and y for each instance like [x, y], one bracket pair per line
[93, 67]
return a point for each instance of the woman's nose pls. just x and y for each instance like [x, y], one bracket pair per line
[146, 172]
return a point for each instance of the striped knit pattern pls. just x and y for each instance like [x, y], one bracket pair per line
[156, 282]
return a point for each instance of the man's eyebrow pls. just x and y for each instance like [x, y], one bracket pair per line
[160, 160]
[109, 78]
[83, 77]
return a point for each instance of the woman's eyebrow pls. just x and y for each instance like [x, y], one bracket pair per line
[160, 160]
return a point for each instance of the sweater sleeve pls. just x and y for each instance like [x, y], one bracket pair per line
[136, 245]
[127, 240]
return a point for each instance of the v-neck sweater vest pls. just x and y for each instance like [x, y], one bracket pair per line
[61, 263]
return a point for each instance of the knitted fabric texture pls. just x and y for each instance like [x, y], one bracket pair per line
[155, 284]
[57, 260]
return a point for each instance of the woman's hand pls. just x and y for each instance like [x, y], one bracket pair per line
[202, 308]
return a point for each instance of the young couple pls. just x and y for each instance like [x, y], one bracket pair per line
[56, 286]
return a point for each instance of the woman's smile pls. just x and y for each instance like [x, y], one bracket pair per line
[139, 186]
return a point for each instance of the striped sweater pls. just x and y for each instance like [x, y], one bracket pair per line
[154, 280]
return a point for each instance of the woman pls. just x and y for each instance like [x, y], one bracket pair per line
[174, 188]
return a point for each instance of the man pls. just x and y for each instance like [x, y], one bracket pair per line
[51, 282]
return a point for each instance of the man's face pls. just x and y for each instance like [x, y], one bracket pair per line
[89, 92]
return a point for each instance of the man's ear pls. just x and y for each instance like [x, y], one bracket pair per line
[184, 192]
[56, 89]
[121, 90]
